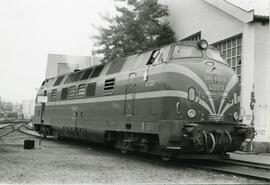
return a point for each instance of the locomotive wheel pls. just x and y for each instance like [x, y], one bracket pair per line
[123, 151]
[44, 135]
[165, 158]
[56, 136]
[43, 132]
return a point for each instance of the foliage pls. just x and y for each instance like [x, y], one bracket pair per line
[136, 28]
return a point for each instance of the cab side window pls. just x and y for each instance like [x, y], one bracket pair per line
[164, 52]
[153, 57]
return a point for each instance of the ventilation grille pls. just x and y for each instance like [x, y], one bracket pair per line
[109, 86]
[53, 95]
[81, 90]
[71, 92]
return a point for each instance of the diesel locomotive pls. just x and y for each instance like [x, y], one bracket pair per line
[179, 99]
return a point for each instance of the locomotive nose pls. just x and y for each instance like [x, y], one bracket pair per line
[223, 86]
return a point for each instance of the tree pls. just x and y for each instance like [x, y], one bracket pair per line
[136, 28]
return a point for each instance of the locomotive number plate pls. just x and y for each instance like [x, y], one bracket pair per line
[216, 117]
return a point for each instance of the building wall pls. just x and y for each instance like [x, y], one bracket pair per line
[262, 81]
[28, 107]
[190, 16]
[248, 50]
[58, 64]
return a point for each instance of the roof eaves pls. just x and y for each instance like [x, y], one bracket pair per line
[238, 7]
[256, 17]
[231, 9]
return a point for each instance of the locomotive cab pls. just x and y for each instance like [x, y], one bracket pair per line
[209, 102]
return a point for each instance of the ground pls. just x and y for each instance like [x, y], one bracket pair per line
[70, 162]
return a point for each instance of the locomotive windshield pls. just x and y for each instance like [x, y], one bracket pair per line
[215, 55]
[186, 52]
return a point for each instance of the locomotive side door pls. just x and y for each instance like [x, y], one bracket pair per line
[74, 117]
[130, 92]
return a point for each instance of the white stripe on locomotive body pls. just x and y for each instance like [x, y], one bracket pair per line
[205, 105]
[229, 105]
[144, 95]
[158, 69]
[229, 86]
[187, 72]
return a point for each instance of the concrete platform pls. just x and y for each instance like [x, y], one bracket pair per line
[257, 147]
[263, 158]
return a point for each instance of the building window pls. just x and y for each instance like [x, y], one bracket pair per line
[109, 86]
[71, 92]
[53, 95]
[91, 89]
[193, 37]
[81, 90]
[231, 50]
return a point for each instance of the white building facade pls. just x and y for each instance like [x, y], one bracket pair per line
[28, 107]
[58, 64]
[240, 29]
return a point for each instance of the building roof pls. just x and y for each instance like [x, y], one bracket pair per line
[244, 10]
[260, 7]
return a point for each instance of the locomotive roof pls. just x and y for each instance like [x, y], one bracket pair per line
[120, 64]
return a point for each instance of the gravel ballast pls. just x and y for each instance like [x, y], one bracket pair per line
[70, 162]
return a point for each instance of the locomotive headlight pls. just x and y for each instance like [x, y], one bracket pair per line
[235, 98]
[236, 116]
[202, 44]
[191, 94]
[191, 113]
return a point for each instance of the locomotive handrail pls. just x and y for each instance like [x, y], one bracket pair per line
[177, 107]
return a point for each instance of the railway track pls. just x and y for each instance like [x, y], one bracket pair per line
[30, 131]
[243, 168]
[20, 126]
[237, 167]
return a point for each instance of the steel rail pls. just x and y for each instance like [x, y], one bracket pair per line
[29, 132]
[32, 132]
[14, 121]
[5, 125]
[239, 168]
[13, 130]
[244, 163]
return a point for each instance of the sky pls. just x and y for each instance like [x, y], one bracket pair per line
[30, 29]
